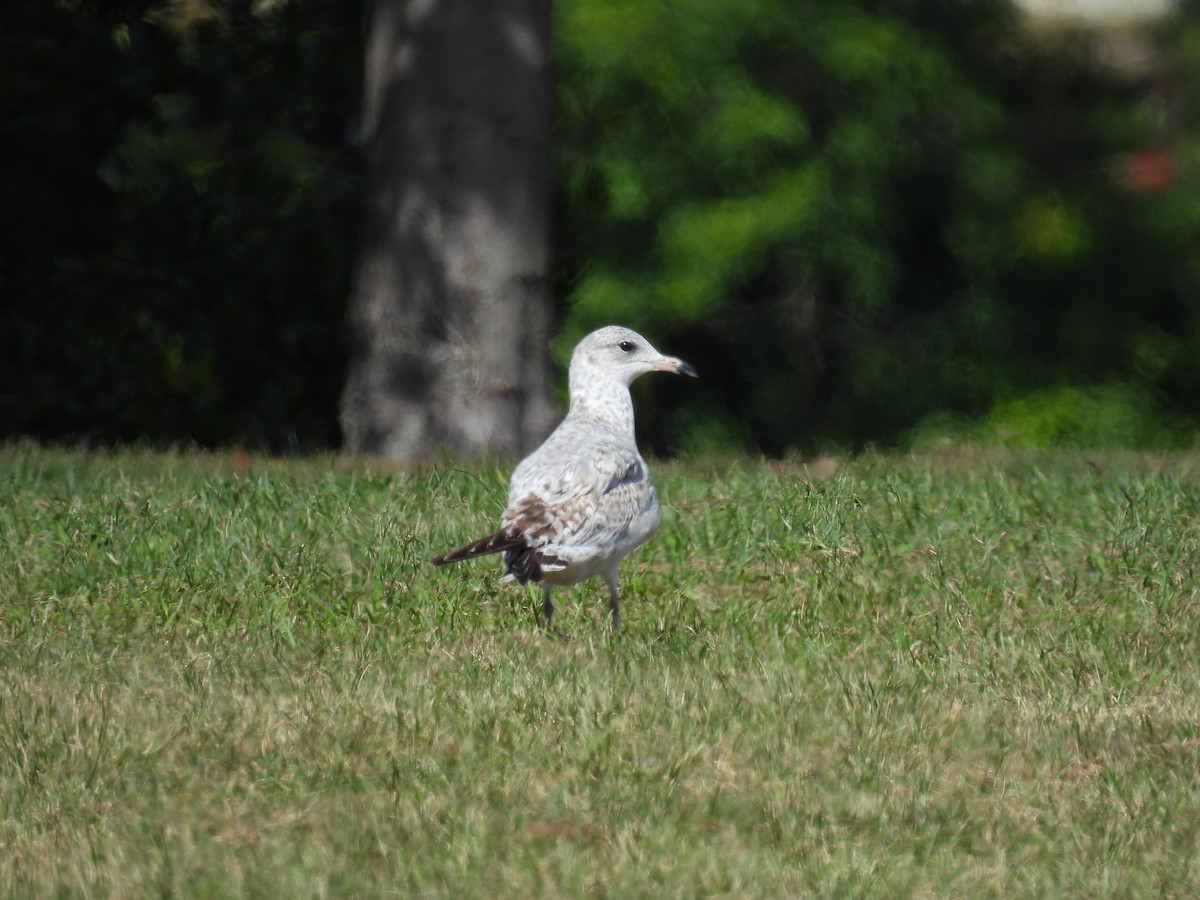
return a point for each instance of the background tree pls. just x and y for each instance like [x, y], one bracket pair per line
[450, 313]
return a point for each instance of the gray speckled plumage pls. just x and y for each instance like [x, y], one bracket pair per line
[583, 499]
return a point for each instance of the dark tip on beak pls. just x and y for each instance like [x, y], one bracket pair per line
[675, 366]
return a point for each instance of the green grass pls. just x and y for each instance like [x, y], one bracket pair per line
[961, 675]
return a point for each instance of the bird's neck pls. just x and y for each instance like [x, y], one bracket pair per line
[607, 403]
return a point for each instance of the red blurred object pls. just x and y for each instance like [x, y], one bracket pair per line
[1150, 171]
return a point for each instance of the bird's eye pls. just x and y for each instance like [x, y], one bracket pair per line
[627, 346]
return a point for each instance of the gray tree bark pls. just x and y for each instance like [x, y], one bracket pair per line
[450, 313]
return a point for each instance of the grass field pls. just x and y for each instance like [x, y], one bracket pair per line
[953, 675]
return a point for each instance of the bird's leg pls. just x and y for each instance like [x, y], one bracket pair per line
[613, 603]
[547, 606]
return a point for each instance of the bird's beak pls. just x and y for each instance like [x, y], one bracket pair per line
[675, 366]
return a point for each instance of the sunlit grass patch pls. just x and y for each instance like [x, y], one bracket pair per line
[927, 675]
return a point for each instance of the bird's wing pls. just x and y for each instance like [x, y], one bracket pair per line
[579, 504]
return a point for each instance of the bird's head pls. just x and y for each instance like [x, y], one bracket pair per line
[621, 354]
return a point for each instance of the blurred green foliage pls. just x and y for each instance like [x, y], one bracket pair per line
[864, 222]
[878, 222]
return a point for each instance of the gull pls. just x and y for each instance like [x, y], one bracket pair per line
[583, 499]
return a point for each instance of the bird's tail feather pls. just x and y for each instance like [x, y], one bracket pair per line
[509, 538]
[524, 563]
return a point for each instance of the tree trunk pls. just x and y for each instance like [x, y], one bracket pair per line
[450, 313]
